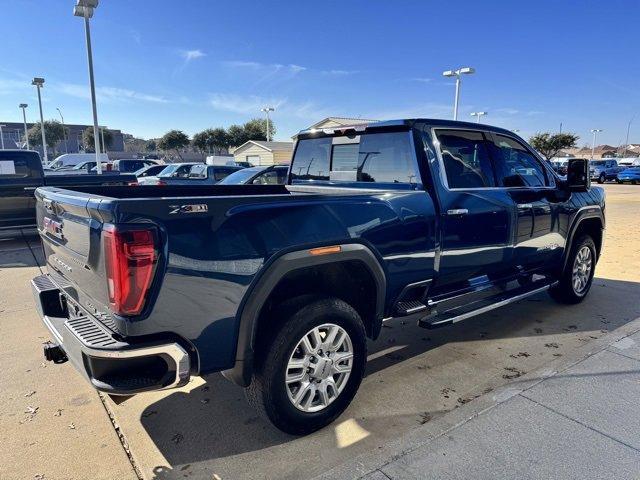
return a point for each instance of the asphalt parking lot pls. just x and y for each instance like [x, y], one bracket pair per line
[53, 425]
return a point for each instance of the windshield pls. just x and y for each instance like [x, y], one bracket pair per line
[599, 163]
[241, 176]
[176, 170]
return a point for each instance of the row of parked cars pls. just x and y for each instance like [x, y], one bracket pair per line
[625, 170]
[152, 171]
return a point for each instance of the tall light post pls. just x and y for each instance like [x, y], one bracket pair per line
[24, 119]
[478, 115]
[595, 132]
[266, 110]
[39, 82]
[84, 9]
[457, 73]
[626, 142]
[2, 137]
[64, 132]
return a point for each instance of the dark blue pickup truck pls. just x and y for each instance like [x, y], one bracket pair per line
[279, 286]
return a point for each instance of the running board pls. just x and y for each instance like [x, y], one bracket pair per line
[459, 314]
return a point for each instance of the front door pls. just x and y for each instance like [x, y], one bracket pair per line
[532, 189]
[478, 220]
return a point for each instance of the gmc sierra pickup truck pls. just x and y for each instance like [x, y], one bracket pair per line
[280, 286]
[21, 173]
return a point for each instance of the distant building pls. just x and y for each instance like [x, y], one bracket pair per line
[601, 151]
[333, 122]
[259, 152]
[13, 134]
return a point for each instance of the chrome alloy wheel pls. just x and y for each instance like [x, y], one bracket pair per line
[319, 367]
[582, 266]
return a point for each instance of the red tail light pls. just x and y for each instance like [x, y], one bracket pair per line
[161, 183]
[130, 261]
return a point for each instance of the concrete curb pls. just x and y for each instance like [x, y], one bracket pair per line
[370, 462]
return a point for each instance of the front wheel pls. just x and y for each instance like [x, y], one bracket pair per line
[577, 277]
[309, 372]
[602, 178]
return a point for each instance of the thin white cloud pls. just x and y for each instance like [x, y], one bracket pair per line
[190, 55]
[266, 67]
[339, 73]
[251, 105]
[507, 111]
[108, 94]
[421, 79]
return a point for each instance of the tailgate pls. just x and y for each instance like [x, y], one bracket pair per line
[71, 231]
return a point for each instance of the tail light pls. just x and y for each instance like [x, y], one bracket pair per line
[161, 183]
[133, 184]
[130, 261]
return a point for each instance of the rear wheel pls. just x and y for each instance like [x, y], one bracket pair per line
[577, 277]
[310, 370]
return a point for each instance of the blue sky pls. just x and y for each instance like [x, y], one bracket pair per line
[196, 64]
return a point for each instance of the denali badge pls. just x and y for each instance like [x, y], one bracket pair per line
[194, 208]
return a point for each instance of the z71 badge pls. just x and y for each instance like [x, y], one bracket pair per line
[194, 208]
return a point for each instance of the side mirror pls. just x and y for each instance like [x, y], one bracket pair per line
[578, 178]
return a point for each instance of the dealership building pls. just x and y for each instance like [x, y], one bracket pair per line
[13, 137]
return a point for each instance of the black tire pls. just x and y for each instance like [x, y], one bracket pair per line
[268, 391]
[602, 178]
[565, 292]
[619, 182]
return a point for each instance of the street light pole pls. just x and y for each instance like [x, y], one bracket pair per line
[64, 132]
[457, 73]
[38, 82]
[84, 8]
[626, 142]
[595, 132]
[266, 110]
[24, 119]
[478, 115]
[2, 137]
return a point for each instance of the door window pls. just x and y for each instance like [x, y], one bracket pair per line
[466, 159]
[516, 166]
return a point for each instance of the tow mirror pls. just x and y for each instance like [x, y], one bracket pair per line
[578, 178]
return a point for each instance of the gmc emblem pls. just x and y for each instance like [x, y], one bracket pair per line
[52, 228]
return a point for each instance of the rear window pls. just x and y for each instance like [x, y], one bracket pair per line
[372, 157]
[14, 166]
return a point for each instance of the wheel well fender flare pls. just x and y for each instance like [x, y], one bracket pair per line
[257, 294]
[585, 213]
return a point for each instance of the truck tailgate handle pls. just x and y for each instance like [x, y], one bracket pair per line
[457, 211]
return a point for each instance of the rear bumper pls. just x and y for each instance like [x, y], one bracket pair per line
[111, 365]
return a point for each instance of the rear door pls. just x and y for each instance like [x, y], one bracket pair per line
[478, 220]
[18, 180]
[531, 187]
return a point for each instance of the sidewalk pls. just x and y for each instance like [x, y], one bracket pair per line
[579, 418]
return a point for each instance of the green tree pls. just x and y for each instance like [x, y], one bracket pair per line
[53, 130]
[89, 142]
[256, 129]
[549, 144]
[173, 140]
[151, 145]
[237, 135]
[200, 141]
[219, 139]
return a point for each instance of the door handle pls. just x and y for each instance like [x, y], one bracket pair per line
[457, 211]
[525, 205]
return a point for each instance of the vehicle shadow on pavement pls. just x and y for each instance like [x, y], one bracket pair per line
[20, 249]
[422, 367]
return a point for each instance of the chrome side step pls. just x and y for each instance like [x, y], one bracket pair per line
[454, 315]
